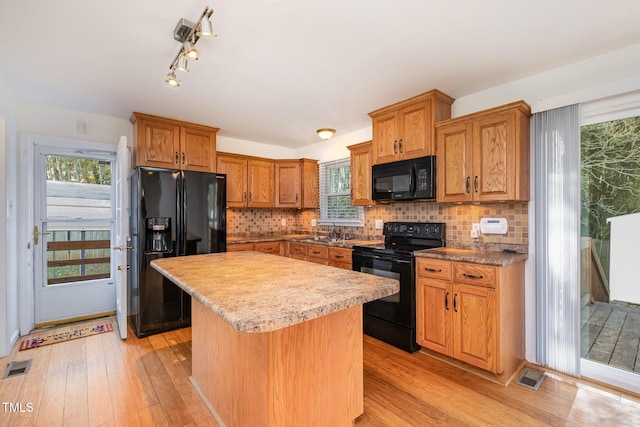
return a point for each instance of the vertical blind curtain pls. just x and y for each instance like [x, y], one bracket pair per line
[557, 199]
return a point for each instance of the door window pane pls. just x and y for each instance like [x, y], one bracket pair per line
[78, 219]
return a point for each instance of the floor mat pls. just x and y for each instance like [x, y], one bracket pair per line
[55, 337]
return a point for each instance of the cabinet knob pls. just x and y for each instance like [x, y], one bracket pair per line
[466, 185]
[446, 301]
[400, 145]
[176, 157]
[475, 183]
[395, 147]
[455, 302]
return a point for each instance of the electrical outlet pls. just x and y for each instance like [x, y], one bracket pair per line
[283, 221]
[379, 224]
[475, 230]
[314, 222]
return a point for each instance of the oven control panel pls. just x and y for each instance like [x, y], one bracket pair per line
[424, 230]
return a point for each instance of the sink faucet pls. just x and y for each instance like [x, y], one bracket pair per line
[334, 233]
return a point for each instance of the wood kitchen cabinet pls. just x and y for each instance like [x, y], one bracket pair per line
[173, 144]
[484, 157]
[405, 130]
[340, 257]
[298, 250]
[318, 254]
[361, 162]
[473, 313]
[236, 247]
[271, 247]
[250, 180]
[296, 184]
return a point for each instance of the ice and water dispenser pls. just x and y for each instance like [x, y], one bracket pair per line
[159, 234]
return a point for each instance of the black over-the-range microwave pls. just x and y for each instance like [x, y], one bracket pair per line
[405, 180]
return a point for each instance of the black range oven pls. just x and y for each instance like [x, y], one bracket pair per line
[393, 319]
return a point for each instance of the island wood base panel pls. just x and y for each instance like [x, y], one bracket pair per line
[307, 374]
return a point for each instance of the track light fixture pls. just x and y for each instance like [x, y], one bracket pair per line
[188, 34]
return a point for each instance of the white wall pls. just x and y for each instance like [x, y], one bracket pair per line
[63, 123]
[250, 148]
[8, 228]
[334, 148]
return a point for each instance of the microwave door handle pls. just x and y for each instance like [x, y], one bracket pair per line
[412, 181]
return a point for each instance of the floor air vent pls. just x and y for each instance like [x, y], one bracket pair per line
[17, 368]
[531, 378]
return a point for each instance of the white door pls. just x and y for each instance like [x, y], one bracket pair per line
[121, 234]
[72, 235]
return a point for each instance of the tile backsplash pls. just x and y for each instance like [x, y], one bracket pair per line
[458, 220]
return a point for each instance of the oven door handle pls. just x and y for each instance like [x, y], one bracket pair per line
[384, 258]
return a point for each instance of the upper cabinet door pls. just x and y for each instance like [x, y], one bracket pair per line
[454, 163]
[288, 189]
[236, 170]
[198, 149]
[260, 178]
[361, 161]
[386, 135]
[415, 131]
[157, 144]
[494, 158]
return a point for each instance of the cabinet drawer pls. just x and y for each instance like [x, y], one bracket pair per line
[240, 247]
[297, 250]
[268, 247]
[434, 268]
[474, 274]
[340, 255]
[319, 252]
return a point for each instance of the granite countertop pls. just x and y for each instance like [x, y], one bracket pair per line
[302, 238]
[472, 255]
[257, 292]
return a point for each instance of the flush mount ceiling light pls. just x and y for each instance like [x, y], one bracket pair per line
[326, 133]
[188, 34]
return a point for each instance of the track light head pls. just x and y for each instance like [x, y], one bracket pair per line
[204, 30]
[190, 51]
[182, 64]
[171, 80]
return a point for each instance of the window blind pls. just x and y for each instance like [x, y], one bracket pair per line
[335, 194]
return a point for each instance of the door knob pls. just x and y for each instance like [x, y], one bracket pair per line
[127, 267]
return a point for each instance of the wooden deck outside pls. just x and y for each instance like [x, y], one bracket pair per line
[610, 333]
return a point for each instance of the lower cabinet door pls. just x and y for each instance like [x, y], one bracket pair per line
[475, 325]
[435, 309]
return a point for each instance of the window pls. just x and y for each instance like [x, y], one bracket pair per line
[335, 195]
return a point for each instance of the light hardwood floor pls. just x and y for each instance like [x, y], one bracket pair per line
[104, 381]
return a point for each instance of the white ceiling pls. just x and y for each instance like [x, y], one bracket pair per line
[281, 69]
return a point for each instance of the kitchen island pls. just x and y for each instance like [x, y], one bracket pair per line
[276, 341]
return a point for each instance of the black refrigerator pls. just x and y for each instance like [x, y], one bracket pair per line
[173, 213]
